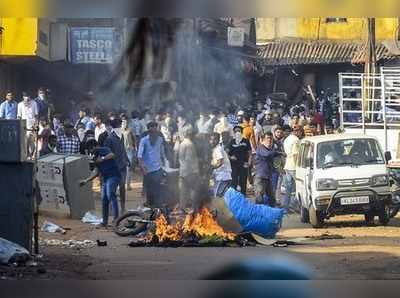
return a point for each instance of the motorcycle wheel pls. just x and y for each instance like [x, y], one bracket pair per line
[128, 225]
[393, 211]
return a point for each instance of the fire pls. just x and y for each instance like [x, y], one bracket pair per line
[166, 232]
[201, 225]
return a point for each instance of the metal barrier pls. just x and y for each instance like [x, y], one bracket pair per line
[370, 101]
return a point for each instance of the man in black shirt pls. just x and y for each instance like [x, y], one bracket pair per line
[239, 151]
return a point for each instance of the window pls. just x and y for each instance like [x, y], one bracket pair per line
[304, 155]
[350, 152]
[336, 20]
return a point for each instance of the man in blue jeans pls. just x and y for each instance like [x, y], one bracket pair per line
[107, 167]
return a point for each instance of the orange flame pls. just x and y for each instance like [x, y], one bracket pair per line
[201, 225]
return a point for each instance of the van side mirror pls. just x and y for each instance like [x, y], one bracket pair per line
[388, 156]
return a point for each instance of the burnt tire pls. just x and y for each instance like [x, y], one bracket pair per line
[128, 225]
[316, 218]
[384, 215]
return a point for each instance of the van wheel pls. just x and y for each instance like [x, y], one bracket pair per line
[369, 218]
[316, 218]
[384, 215]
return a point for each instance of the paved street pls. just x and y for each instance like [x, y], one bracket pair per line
[363, 253]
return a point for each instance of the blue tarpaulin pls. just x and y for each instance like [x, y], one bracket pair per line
[261, 219]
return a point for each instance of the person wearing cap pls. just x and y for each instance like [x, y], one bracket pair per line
[291, 147]
[68, 143]
[239, 151]
[115, 142]
[151, 156]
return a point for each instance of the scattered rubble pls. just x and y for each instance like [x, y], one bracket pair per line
[76, 244]
[326, 236]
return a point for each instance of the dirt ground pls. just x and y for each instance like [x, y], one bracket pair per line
[344, 249]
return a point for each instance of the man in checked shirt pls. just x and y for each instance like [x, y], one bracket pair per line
[68, 143]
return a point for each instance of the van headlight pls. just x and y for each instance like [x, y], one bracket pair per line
[380, 180]
[326, 184]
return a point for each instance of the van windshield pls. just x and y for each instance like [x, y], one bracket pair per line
[349, 152]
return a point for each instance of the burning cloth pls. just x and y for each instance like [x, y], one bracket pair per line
[255, 218]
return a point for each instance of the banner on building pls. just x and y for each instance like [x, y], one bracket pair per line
[96, 45]
[235, 37]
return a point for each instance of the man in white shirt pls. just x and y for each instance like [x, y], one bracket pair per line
[100, 126]
[188, 171]
[27, 110]
[221, 166]
[291, 147]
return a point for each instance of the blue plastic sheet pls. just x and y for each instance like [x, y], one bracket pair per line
[261, 219]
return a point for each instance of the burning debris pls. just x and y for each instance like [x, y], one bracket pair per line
[193, 229]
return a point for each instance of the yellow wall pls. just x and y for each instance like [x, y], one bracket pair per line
[317, 28]
[19, 37]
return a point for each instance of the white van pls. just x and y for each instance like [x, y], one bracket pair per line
[342, 174]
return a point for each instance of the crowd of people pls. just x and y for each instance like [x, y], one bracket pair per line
[251, 149]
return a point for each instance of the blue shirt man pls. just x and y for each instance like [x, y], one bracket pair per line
[151, 154]
[107, 167]
[9, 108]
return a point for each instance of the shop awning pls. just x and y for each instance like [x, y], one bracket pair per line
[296, 52]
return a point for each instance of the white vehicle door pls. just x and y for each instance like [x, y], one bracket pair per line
[300, 173]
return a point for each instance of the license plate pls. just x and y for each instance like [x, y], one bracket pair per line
[354, 200]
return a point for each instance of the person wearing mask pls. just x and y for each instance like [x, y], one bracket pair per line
[68, 143]
[100, 127]
[221, 166]
[51, 146]
[130, 147]
[239, 152]
[107, 168]
[188, 171]
[291, 147]
[43, 104]
[151, 156]
[9, 108]
[265, 154]
[116, 143]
